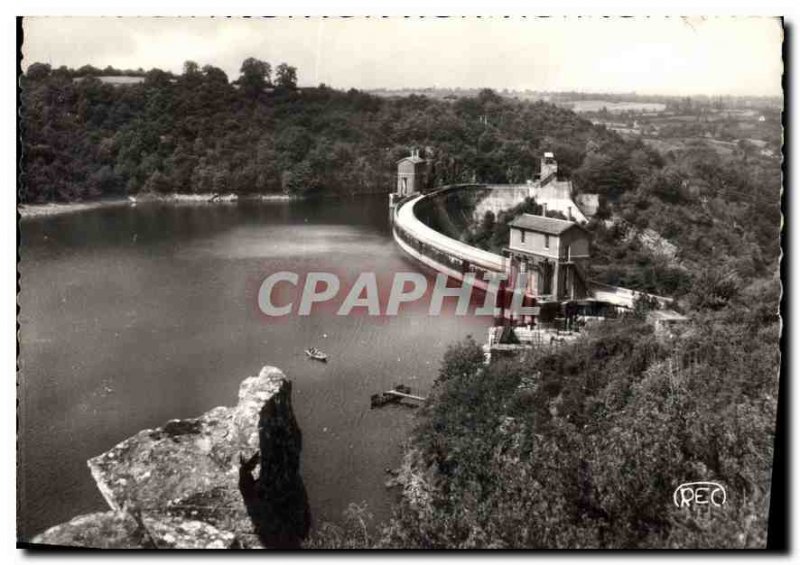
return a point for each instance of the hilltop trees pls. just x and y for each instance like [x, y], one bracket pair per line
[214, 75]
[38, 71]
[286, 77]
[256, 76]
[86, 139]
[191, 69]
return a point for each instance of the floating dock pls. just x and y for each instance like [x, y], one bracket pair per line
[394, 396]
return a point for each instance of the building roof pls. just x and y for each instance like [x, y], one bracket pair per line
[542, 224]
[413, 159]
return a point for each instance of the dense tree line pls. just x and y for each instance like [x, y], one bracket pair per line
[722, 214]
[261, 134]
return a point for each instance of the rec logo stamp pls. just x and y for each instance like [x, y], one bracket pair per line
[699, 493]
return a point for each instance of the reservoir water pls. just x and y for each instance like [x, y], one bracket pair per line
[131, 316]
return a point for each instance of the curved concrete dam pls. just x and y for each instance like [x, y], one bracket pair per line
[433, 247]
[426, 227]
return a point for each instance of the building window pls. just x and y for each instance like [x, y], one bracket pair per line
[546, 241]
[522, 236]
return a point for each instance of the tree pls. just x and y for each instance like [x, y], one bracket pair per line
[488, 96]
[157, 78]
[105, 181]
[487, 224]
[38, 71]
[643, 304]
[215, 75]
[714, 288]
[157, 183]
[255, 77]
[88, 70]
[190, 68]
[191, 77]
[286, 77]
[746, 150]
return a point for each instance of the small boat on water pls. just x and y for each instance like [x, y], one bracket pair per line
[316, 354]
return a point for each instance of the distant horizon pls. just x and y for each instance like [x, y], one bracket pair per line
[458, 88]
[584, 92]
[720, 56]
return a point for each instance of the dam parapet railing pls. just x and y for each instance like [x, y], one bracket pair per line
[437, 250]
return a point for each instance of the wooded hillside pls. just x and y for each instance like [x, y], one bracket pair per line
[200, 132]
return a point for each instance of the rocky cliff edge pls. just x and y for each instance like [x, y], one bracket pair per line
[227, 479]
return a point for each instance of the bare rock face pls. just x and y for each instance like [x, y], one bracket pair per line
[229, 478]
[118, 530]
[100, 530]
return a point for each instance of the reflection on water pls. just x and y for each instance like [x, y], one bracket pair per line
[249, 242]
[133, 316]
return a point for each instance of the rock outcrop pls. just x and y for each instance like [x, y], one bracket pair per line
[229, 478]
[119, 530]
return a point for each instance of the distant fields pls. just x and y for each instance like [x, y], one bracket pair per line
[580, 106]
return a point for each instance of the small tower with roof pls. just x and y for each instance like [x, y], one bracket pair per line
[410, 174]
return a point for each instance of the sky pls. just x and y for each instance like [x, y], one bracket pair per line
[656, 55]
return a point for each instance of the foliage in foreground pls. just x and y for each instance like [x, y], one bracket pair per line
[353, 532]
[583, 447]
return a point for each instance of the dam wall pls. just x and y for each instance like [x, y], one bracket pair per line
[426, 227]
[555, 195]
[436, 250]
